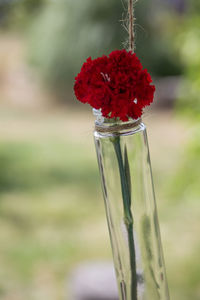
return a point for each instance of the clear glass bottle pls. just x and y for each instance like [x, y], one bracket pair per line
[126, 176]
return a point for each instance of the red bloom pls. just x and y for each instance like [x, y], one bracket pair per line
[117, 84]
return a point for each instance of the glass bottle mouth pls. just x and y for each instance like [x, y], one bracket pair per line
[114, 126]
[105, 122]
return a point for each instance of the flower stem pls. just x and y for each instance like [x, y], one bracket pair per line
[128, 218]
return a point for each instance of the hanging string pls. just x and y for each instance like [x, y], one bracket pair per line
[131, 26]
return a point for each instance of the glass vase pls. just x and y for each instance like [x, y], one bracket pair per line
[126, 176]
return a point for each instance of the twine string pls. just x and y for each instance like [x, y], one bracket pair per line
[131, 25]
[116, 128]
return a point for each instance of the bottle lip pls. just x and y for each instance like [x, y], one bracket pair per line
[105, 125]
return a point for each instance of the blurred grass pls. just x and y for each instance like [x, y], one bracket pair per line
[51, 209]
[28, 165]
[50, 203]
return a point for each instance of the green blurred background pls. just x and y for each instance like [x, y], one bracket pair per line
[51, 209]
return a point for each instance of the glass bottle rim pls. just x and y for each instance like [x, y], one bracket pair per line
[106, 122]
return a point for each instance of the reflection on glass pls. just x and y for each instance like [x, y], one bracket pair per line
[125, 169]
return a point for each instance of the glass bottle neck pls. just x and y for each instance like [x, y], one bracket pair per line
[105, 125]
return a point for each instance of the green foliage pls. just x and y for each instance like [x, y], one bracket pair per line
[185, 183]
[154, 43]
[194, 7]
[188, 43]
[68, 31]
[183, 190]
[17, 13]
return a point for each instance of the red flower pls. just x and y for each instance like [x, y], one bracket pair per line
[117, 84]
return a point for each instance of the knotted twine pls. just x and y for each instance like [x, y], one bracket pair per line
[118, 127]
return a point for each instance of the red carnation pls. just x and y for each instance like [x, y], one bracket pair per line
[117, 84]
